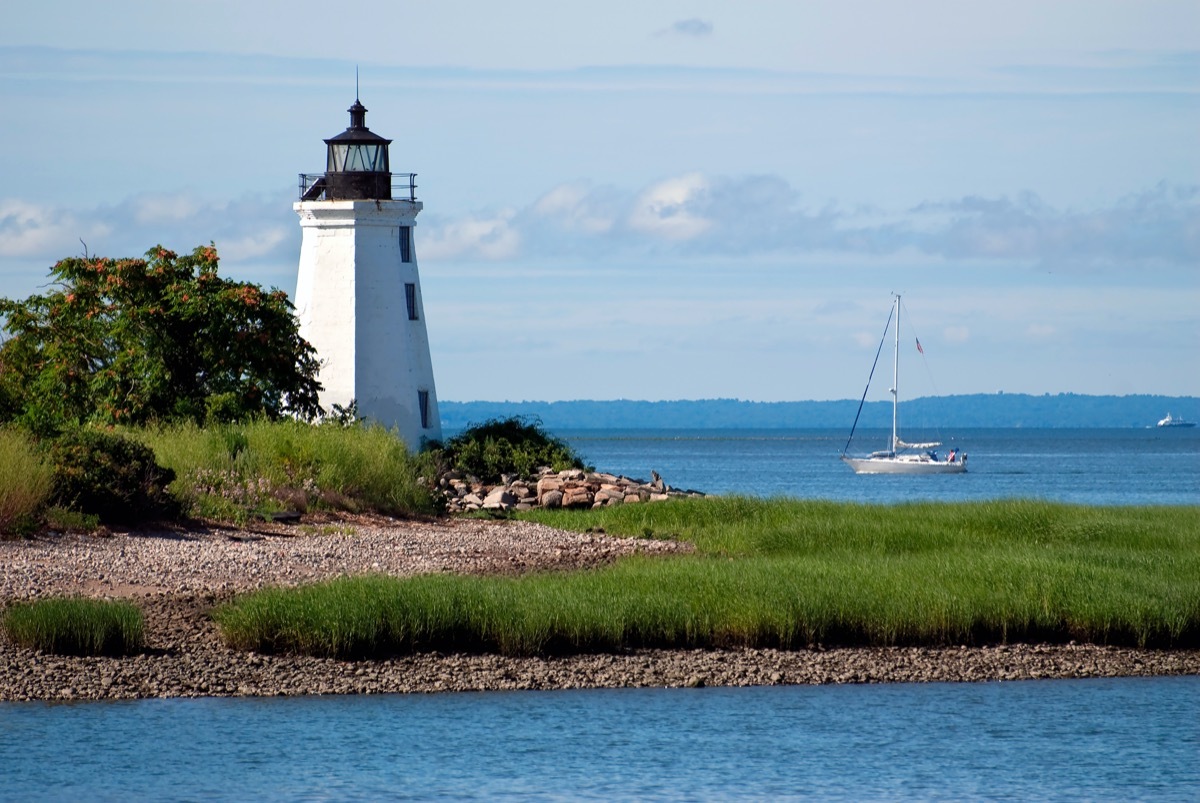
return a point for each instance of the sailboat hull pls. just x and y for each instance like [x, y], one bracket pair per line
[903, 464]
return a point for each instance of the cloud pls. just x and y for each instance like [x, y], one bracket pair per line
[672, 209]
[1158, 225]
[576, 207]
[33, 230]
[690, 215]
[693, 27]
[249, 230]
[489, 237]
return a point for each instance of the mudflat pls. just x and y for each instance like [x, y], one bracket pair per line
[177, 575]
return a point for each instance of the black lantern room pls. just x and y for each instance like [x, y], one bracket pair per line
[356, 166]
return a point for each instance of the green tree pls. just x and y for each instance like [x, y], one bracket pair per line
[127, 341]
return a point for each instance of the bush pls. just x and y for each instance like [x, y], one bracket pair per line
[110, 476]
[76, 626]
[238, 471]
[514, 445]
[26, 481]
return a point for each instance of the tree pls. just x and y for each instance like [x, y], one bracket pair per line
[128, 341]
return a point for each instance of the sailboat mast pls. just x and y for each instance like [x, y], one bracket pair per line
[896, 379]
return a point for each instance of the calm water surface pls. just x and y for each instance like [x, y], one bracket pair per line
[1097, 740]
[1084, 466]
[1094, 739]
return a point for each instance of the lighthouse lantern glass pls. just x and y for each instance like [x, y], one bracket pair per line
[357, 157]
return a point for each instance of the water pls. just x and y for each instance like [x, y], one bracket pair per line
[1098, 467]
[1097, 739]
[1094, 739]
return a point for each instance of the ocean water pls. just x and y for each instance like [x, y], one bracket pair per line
[1083, 466]
[1120, 739]
[1031, 740]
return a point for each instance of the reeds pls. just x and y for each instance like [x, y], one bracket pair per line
[235, 471]
[782, 573]
[76, 626]
[26, 481]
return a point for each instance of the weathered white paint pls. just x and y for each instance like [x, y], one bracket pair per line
[350, 300]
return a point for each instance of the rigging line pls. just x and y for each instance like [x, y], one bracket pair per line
[925, 363]
[861, 401]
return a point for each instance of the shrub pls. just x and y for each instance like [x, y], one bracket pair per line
[26, 482]
[237, 471]
[516, 445]
[76, 626]
[110, 476]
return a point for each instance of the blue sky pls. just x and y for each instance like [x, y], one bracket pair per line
[669, 200]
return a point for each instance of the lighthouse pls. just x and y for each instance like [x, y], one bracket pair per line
[358, 295]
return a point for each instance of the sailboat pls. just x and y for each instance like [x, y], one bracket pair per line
[900, 457]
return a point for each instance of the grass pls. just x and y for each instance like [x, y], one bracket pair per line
[236, 471]
[26, 481]
[76, 626]
[782, 573]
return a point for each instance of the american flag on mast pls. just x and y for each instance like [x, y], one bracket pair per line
[919, 345]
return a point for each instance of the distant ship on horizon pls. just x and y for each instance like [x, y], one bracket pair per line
[1171, 421]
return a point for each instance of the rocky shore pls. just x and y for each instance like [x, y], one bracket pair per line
[554, 489]
[177, 576]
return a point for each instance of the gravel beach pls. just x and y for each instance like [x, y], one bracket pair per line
[176, 576]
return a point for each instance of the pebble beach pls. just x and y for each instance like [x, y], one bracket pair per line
[176, 576]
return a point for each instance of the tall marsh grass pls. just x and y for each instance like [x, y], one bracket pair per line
[235, 471]
[76, 626]
[782, 573]
[26, 481]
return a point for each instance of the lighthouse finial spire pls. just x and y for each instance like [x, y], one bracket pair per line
[356, 82]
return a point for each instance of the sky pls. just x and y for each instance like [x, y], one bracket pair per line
[667, 200]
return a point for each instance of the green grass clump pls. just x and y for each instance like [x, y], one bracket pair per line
[76, 626]
[233, 472]
[517, 445]
[783, 573]
[26, 481]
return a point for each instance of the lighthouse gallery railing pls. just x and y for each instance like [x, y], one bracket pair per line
[312, 186]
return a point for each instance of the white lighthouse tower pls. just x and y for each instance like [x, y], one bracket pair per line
[358, 296]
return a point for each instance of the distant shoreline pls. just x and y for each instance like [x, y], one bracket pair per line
[992, 411]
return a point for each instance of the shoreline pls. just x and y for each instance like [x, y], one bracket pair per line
[176, 576]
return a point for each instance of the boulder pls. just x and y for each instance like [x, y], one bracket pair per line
[499, 499]
[547, 484]
[577, 497]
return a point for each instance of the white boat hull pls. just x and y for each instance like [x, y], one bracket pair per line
[904, 464]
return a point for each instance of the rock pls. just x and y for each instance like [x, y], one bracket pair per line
[547, 485]
[552, 499]
[577, 497]
[499, 499]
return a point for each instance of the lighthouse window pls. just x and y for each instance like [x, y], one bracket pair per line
[406, 244]
[410, 296]
[423, 403]
[356, 158]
